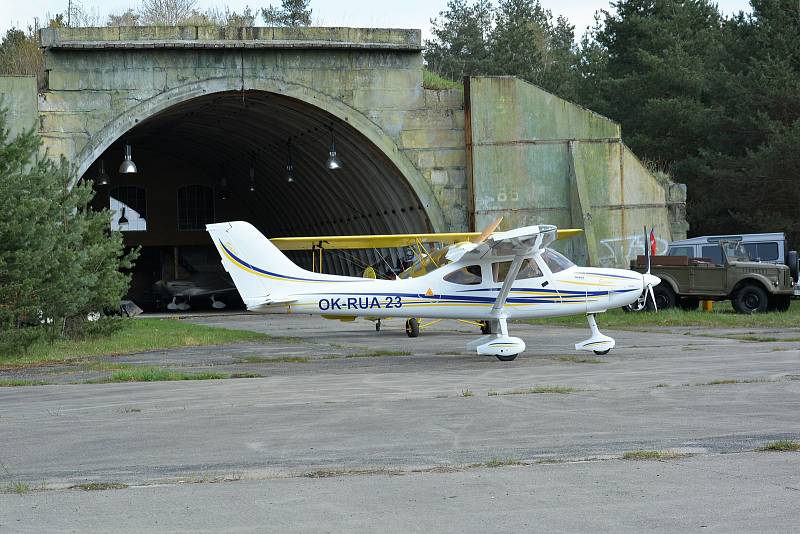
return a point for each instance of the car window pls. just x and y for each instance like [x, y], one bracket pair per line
[713, 252]
[762, 251]
[467, 276]
[681, 251]
[529, 269]
[555, 261]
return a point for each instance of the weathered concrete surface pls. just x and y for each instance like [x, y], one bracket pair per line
[729, 493]
[18, 97]
[539, 159]
[406, 414]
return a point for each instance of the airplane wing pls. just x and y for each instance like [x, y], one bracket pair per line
[385, 241]
[368, 241]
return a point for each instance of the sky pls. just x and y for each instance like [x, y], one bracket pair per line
[355, 13]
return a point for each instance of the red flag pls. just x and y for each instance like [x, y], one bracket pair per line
[653, 242]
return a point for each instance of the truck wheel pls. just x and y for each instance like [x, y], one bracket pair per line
[689, 303]
[780, 303]
[665, 298]
[791, 261]
[751, 299]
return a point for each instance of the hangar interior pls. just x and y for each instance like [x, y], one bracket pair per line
[229, 156]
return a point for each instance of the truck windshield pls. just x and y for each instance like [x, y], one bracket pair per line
[734, 251]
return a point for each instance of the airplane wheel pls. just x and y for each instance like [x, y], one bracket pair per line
[412, 327]
[602, 352]
[507, 358]
[486, 328]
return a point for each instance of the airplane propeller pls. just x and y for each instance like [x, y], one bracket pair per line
[488, 231]
[649, 279]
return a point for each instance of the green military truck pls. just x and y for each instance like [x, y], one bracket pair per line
[751, 286]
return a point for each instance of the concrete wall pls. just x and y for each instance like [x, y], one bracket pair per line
[18, 97]
[537, 159]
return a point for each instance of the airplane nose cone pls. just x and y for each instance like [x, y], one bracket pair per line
[650, 280]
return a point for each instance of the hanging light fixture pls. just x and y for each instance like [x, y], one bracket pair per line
[289, 165]
[122, 218]
[223, 187]
[252, 177]
[333, 163]
[102, 176]
[128, 166]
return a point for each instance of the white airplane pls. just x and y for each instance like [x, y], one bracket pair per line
[501, 277]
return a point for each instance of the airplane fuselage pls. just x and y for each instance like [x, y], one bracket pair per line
[575, 290]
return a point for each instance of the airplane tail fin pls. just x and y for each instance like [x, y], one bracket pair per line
[260, 271]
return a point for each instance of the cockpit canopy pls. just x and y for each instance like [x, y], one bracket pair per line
[427, 263]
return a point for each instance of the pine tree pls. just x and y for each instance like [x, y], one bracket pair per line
[461, 40]
[291, 13]
[59, 261]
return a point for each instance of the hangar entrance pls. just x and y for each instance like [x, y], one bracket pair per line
[254, 156]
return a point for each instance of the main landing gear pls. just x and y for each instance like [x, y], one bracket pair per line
[599, 344]
[501, 345]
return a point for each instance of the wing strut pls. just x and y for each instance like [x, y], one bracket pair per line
[505, 289]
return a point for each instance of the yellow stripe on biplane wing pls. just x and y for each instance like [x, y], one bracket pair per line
[383, 241]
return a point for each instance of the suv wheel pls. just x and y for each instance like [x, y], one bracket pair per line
[780, 303]
[665, 298]
[751, 299]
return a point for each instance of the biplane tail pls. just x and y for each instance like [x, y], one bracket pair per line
[261, 272]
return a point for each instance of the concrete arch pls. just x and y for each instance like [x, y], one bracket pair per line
[124, 122]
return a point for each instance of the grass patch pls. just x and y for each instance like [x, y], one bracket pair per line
[502, 462]
[784, 445]
[534, 390]
[662, 385]
[723, 381]
[135, 335]
[378, 353]
[15, 382]
[329, 473]
[765, 339]
[279, 359]
[467, 393]
[156, 374]
[431, 80]
[579, 359]
[643, 455]
[20, 488]
[246, 374]
[722, 316]
[99, 486]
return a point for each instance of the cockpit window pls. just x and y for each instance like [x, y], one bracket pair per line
[555, 261]
[734, 251]
[529, 269]
[466, 276]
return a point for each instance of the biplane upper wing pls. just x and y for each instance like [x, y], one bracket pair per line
[384, 241]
